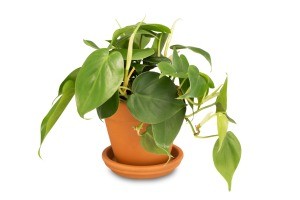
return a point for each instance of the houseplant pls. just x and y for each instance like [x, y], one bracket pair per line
[157, 92]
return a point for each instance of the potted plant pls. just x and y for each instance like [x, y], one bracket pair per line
[144, 95]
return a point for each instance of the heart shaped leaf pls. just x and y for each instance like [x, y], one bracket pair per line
[153, 99]
[164, 133]
[178, 68]
[98, 79]
[228, 157]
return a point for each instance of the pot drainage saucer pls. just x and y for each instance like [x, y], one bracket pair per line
[142, 172]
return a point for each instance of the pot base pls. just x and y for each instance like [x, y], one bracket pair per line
[142, 172]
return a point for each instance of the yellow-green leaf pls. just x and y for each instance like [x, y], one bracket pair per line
[67, 92]
[222, 123]
[226, 159]
[90, 44]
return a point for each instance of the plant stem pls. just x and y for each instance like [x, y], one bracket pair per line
[181, 84]
[191, 125]
[130, 74]
[208, 136]
[190, 115]
[159, 43]
[197, 132]
[169, 38]
[212, 95]
[124, 88]
[123, 93]
[138, 128]
[206, 119]
[129, 53]
[118, 23]
[192, 102]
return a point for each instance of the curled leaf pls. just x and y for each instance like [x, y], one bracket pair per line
[222, 123]
[221, 101]
[67, 92]
[91, 44]
[194, 49]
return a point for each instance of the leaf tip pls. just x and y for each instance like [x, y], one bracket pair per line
[229, 186]
[39, 153]
[83, 117]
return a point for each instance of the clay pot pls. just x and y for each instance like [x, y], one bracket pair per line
[125, 141]
[142, 172]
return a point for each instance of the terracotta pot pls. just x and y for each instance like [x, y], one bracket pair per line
[125, 141]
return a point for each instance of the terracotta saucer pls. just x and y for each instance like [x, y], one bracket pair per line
[142, 172]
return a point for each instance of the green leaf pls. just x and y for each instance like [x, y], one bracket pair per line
[142, 40]
[127, 30]
[155, 60]
[149, 144]
[178, 68]
[185, 63]
[137, 54]
[90, 44]
[153, 99]
[67, 92]
[156, 27]
[72, 76]
[166, 69]
[221, 101]
[164, 133]
[138, 67]
[230, 119]
[159, 43]
[222, 123]
[228, 157]
[208, 80]
[194, 49]
[177, 63]
[122, 43]
[184, 88]
[110, 107]
[98, 79]
[198, 84]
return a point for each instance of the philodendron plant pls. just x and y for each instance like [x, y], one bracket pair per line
[159, 89]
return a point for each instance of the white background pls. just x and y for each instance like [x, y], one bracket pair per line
[256, 42]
